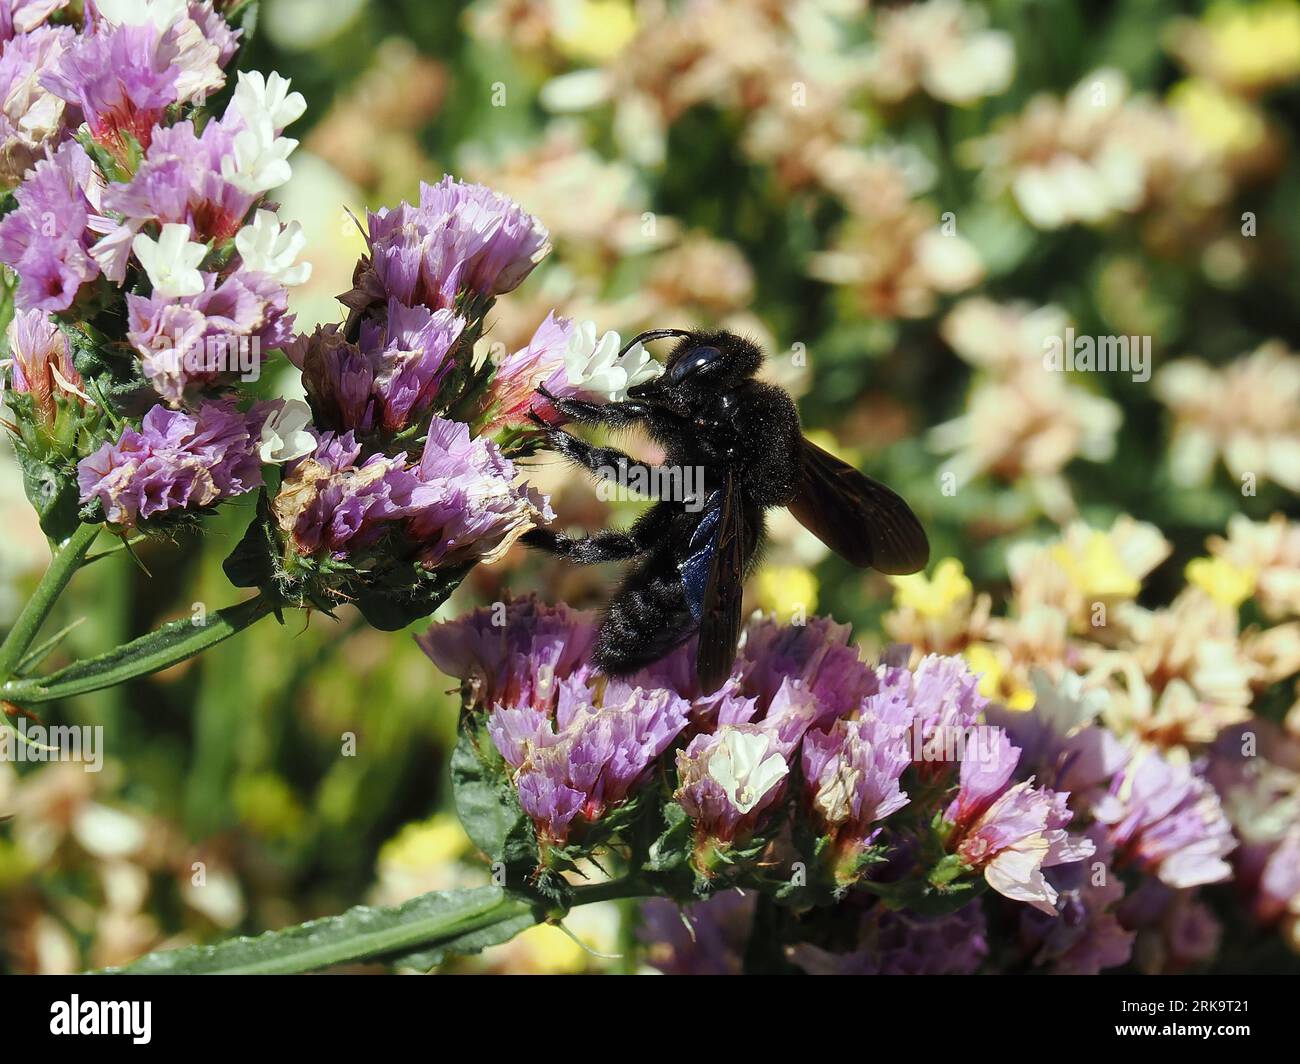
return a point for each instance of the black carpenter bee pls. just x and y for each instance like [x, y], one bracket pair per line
[693, 554]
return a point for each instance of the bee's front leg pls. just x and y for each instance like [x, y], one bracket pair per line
[589, 413]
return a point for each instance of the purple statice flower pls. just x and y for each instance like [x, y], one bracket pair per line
[1255, 768]
[178, 182]
[514, 653]
[175, 461]
[1169, 820]
[333, 503]
[729, 779]
[31, 117]
[465, 505]
[704, 938]
[591, 755]
[220, 41]
[208, 181]
[19, 17]
[943, 697]
[513, 392]
[1010, 832]
[1085, 936]
[42, 362]
[852, 774]
[1174, 929]
[408, 354]
[385, 381]
[461, 238]
[905, 943]
[46, 239]
[188, 343]
[121, 79]
[1060, 742]
[338, 378]
[818, 653]
[1273, 869]
[122, 75]
[852, 766]
[729, 704]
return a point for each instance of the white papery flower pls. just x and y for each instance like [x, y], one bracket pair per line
[740, 768]
[261, 159]
[172, 261]
[161, 14]
[595, 366]
[267, 98]
[285, 436]
[267, 248]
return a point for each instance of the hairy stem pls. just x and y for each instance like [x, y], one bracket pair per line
[66, 561]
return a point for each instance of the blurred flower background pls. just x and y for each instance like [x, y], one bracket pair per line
[904, 203]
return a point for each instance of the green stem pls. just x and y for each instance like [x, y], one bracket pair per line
[420, 933]
[65, 562]
[611, 890]
[160, 649]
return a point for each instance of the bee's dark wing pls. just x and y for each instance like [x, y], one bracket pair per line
[713, 578]
[860, 519]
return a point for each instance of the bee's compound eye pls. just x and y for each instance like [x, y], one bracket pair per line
[694, 359]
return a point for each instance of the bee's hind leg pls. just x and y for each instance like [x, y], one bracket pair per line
[607, 546]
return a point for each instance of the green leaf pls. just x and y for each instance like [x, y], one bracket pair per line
[487, 803]
[417, 933]
[474, 941]
[161, 648]
[671, 851]
[46, 647]
[252, 562]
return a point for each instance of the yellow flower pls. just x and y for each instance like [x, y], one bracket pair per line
[1224, 123]
[993, 676]
[550, 951]
[1228, 584]
[1256, 45]
[434, 841]
[933, 596]
[787, 591]
[594, 31]
[1098, 570]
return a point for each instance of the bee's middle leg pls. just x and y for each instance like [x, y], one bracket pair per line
[608, 463]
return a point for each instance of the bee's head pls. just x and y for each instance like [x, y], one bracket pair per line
[711, 360]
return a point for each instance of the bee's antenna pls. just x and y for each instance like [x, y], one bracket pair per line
[651, 334]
